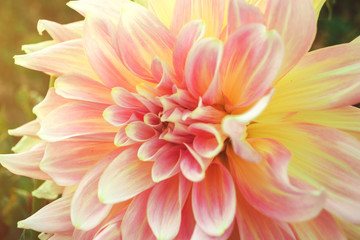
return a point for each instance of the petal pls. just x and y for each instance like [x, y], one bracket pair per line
[25, 144]
[136, 216]
[136, 55]
[322, 227]
[295, 21]
[59, 32]
[139, 131]
[51, 101]
[192, 165]
[209, 139]
[61, 58]
[187, 221]
[110, 232]
[167, 163]
[121, 139]
[86, 210]
[205, 113]
[119, 116]
[28, 129]
[82, 88]
[201, 73]
[48, 190]
[189, 34]
[318, 5]
[98, 34]
[254, 225]
[323, 79]
[269, 180]
[322, 157]
[252, 59]
[211, 12]
[30, 168]
[53, 218]
[241, 13]
[163, 10]
[200, 234]
[125, 177]
[150, 149]
[164, 209]
[214, 201]
[109, 8]
[164, 75]
[74, 119]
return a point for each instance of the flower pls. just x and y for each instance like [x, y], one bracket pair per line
[194, 119]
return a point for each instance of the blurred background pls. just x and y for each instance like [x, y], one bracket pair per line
[21, 89]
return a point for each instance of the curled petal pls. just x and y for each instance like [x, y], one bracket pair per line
[139, 131]
[214, 201]
[125, 177]
[252, 59]
[59, 32]
[192, 165]
[119, 116]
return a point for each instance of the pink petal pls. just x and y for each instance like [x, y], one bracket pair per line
[133, 34]
[68, 161]
[86, 210]
[61, 58]
[200, 234]
[59, 32]
[98, 34]
[323, 226]
[209, 139]
[74, 119]
[153, 121]
[164, 209]
[136, 216]
[189, 34]
[121, 139]
[269, 180]
[81, 88]
[125, 177]
[237, 133]
[30, 168]
[295, 21]
[53, 218]
[119, 116]
[193, 166]
[28, 129]
[210, 12]
[51, 101]
[201, 73]
[150, 149]
[323, 157]
[164, 75]
[167, 163]
[57, 236]
[241, 13]
[139, 131]
[334, 70]
[214, 201]
[187, 221]
[252, 59]
[110, 232]
[254, 225]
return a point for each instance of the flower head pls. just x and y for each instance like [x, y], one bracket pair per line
[194, 119]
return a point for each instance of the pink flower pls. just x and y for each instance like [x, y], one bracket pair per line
[194, 120]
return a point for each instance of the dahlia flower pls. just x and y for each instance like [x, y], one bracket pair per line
[198, 119]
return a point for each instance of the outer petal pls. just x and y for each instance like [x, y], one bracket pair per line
[318, 5]
[136, 216]
[125, 177]
[53, 218]
[255, 226]
[252, 59]
[323, 79]
[322, 227]
[210, 11]
[214, 201]
[269, 180]
[189, 34]
[136, 55]
[98, 34]
[81, 88]
[30, 168]
[164, 209]
[86, 209]
[66, 57]
[163, 10]
[59, 32]
[74, 119]
[322, 157]
[201, 74]
[28, 129]
[200, 234]
[295, 21]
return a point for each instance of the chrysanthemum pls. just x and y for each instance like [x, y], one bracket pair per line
[197, 119]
